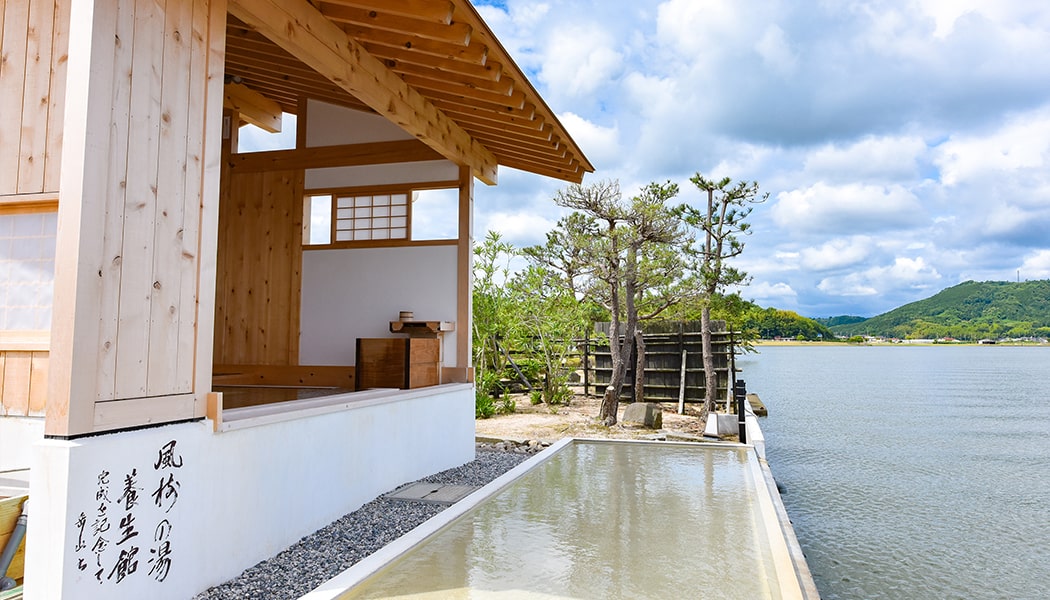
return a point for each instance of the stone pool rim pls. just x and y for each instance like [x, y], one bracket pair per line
[789, 560]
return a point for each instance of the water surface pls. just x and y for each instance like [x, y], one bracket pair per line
[913, 472]
[602, 521]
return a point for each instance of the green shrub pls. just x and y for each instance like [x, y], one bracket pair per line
[560, 393]
[484, 406]
[506, 404]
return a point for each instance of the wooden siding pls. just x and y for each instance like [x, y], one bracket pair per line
[136, 188]
[664, 346]
[23, 383]
[259, 269]
[34, 38]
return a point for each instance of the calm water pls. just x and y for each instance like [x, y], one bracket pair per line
[913, 472]
[593, 523]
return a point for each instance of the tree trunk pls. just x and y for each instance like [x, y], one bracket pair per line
[611, 398]
[710, 377]
[639, 366]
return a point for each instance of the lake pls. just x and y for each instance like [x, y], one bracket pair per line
[912, 471]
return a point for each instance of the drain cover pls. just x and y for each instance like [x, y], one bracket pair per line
[441, 493]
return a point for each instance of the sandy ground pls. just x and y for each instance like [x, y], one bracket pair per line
[579, 419]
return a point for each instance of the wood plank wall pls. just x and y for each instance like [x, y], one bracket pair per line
[23, 383]
[34, 38]
[143, 102]
[259, 275]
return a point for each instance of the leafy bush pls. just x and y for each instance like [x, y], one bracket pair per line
[484, 407]
[559, 393]
[506, 404]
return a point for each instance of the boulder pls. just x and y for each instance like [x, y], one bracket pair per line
[645, 414]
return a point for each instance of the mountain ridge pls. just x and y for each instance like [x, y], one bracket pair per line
[970, 311]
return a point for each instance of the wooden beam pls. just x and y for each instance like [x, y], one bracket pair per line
[441, 99]
[284, 375]
[252, 107]
[349, 155]
[308, 35]
[453, 32]
[572, 174]
[503, 86]
[428, 10]
[473, 53]
[491, 70]
[513, 101]
[136, 412]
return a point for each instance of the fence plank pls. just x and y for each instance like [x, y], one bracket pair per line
[667, 377]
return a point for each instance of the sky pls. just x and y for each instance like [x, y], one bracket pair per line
[905, 146]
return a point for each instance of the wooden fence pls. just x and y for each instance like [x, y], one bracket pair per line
[669, 346]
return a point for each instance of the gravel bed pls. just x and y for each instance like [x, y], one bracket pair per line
[331, 550]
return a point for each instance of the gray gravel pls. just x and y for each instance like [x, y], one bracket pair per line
[327, 552]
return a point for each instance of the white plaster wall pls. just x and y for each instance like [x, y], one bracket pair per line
[242, 496]
[349, 294]
[331, 125]
[415, 172]
[17, 435]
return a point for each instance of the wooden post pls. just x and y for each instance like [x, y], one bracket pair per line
[681, 381]
[586, 363]
[465, 273]
[681, 385]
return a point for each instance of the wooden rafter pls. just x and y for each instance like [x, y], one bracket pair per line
[452, 33]
[440, 50]
[426, 10]
[307, 34]
[252, 106]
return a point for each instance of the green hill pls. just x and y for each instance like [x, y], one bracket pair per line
[841, 320]
[968, 311]
[771, 323]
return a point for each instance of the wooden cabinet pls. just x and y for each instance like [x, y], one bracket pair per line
[404, 363]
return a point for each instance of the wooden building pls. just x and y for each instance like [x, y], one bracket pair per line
[180, 320]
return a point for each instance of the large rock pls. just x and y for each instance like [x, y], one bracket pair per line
[646, 414]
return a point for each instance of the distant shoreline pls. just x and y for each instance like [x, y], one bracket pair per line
[895, 344]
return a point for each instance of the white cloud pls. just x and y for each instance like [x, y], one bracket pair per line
[909, 273]
[870, 158]
[1022, 144]
[600, 144]
[823, 208]
[518, 228]
[767, 294]
[776, 51]
[836, 253]
[696, 28]
[1036, 265]
[578, 59]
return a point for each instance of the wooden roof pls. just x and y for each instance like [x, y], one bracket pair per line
[457, 75]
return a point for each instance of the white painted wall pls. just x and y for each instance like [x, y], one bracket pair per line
[404, 173]
[242, 496]
[331, 125]
[17, 436]
[355, 293]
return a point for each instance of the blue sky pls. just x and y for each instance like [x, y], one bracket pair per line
[905, 145]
